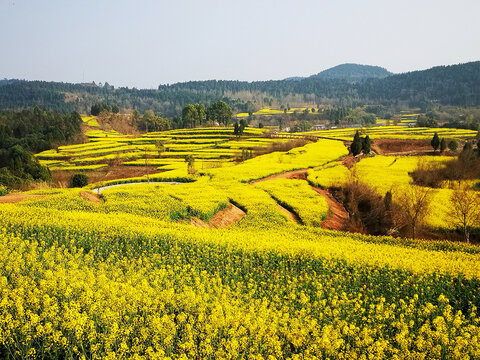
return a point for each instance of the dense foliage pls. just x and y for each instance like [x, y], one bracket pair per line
[27, 131]
[455, 85]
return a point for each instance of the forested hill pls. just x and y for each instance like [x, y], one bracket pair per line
[449, 85]
[354, 72]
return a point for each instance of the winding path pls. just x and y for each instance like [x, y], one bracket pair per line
[337, 215]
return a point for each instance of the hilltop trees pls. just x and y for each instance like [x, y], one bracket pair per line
[219, 112]
[194, 115]
[23, 133]
[152, 122]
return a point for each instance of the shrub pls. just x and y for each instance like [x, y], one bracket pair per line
[79, 180]
[3, 190]
[453, 145]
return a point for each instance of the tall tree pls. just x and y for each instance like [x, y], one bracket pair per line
[435, 142]
[219, 111]
[414, 205]
[465, 210]
[189, 115]
[201, 114]
[366, 145]
[356, 145]
[443, 145]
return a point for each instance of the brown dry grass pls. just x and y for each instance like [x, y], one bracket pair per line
[62, 178]
[222, 219]
[395, 146]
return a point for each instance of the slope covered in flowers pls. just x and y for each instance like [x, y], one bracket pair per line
[122, 277]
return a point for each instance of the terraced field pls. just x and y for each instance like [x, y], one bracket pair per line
[130, 273]
[164, 149]
[394, 132]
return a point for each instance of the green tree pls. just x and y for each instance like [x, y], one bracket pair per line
[453, 145]
[366, 145]
[190, 115]
[79, 180]
[443, 145]
[435, 142]
[201, 114]
[190, 160]
[135, 117]
[220, 112]
[356, 146]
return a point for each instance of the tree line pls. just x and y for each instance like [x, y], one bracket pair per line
[23, 133]
[457, 85]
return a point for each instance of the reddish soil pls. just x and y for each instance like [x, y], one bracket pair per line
[90, 197]
[295, 174]
[401, 147]
[350, 160]
[337, 215]
[226, 217]
[13, 198]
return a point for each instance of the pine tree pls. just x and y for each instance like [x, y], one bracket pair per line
[443, 145]
[435, 142]
[366, 148]
[356, 146]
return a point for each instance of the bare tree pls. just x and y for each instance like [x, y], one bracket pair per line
[465, 209]
[414, 205]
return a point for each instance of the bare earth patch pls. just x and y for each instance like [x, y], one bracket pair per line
[62, 178]
[13, 198]
[337, 215]
[295, 174]
[401, 147]
[223, 218]
[90, 197]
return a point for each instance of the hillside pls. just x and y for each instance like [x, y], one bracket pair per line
[353, 72]
[154, 268]
[457, 85]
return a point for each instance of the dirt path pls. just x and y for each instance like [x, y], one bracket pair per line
[223, 218]
[295, 174]
[14, 198]
[337, 215]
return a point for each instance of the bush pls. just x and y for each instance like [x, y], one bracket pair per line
[453, 145]
[3, 190]
[79, 180]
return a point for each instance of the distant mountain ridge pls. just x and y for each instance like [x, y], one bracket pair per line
[348, 72]
[353, 72]
[457, 85]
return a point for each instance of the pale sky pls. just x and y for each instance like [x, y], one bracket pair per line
[145, 43]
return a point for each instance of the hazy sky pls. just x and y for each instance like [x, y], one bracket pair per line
[144, 43]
